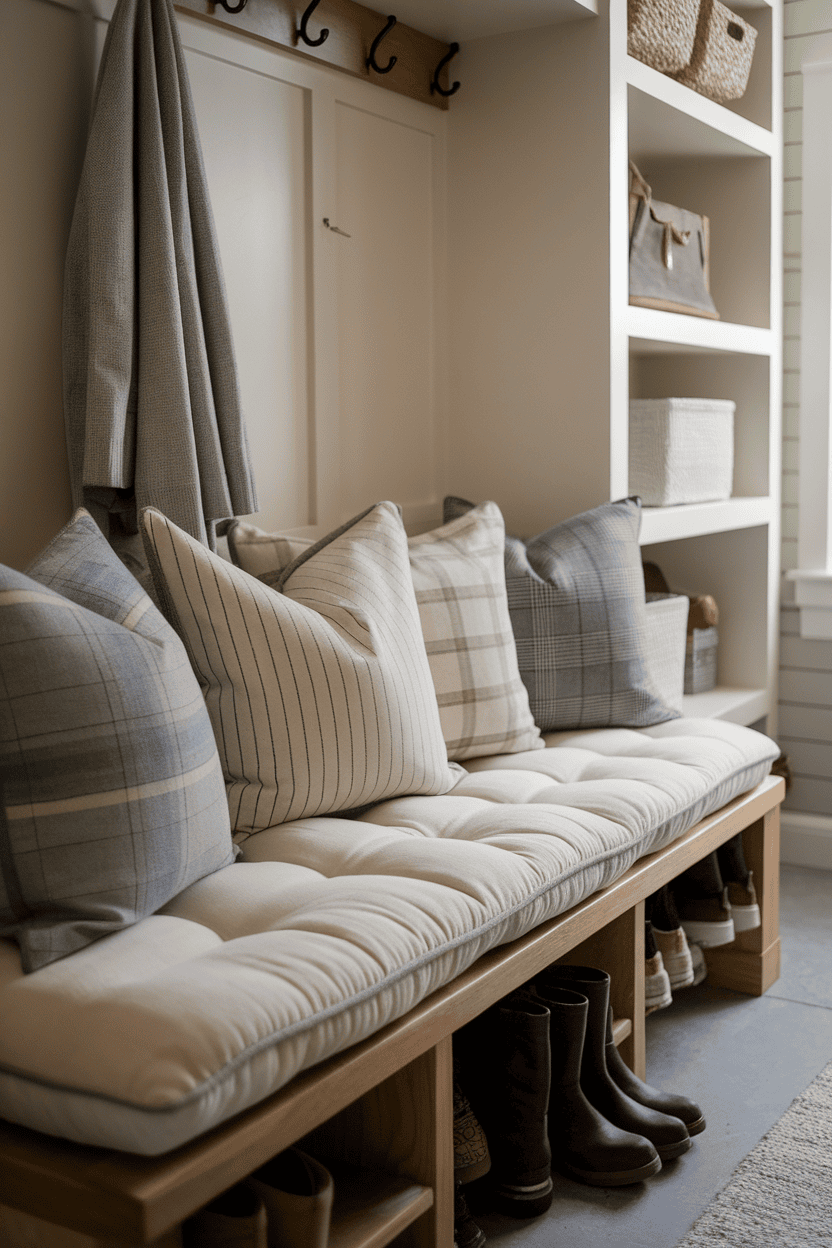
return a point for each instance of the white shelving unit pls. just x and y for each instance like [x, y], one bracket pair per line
[541, 328]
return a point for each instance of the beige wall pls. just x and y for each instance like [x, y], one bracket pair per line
[339, 341]
[46, 60]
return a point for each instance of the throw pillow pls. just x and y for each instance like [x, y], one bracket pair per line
[577, 606]
[460, 582]
[260, 553]
[317, 683]
[112, 791]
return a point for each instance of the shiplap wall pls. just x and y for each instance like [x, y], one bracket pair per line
[805, 666]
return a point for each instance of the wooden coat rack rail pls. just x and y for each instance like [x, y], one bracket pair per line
[361, 41]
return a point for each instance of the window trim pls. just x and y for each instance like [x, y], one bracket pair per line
[813, 577]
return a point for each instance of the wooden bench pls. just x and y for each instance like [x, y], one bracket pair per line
[385, 1105]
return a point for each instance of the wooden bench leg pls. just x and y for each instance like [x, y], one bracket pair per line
[618, 949]
[751, 963]
[405, 1126]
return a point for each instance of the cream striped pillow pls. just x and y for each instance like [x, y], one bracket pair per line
[318, 686]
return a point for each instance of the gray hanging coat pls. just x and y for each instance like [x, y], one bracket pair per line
[151, 395]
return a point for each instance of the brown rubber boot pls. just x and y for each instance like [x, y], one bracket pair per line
[585, 1145]
[666, 1133]
[504, 1060]
[666, 1102]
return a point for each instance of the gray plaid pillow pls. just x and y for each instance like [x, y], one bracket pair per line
[112, 797]
[577, 606]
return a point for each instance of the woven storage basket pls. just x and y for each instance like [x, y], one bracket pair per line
[661, 32]
[666, 628]
[722, 53]
[681, 450]
[700, 660]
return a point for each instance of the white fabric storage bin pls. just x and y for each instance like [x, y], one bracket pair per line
[667, 622]
[681, 450]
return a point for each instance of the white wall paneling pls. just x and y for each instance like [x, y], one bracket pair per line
[387, 293]
[255, 131]
[338, 338]
[805, 724]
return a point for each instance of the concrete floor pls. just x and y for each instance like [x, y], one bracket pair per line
[742, 1059]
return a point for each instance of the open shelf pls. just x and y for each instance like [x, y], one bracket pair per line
[669, 119]
[461, 21]
[668, 524]
[372, 1207]
[654, 333]
[740, 706]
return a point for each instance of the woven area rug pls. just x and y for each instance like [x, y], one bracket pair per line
[781, 1194]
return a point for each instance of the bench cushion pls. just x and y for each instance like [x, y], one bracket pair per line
[330, 927]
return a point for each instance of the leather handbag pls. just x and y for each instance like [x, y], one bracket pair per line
[669, 254]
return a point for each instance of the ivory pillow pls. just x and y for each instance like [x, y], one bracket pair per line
[459, 577]
[317, 684]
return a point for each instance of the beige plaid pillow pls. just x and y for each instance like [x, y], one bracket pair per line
[459, 577]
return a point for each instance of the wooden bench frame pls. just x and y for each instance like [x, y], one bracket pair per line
[386, 1103]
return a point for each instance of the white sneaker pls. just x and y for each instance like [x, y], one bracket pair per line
[673, 946]
[743, 902]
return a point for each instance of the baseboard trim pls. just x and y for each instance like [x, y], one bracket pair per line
[806, 840]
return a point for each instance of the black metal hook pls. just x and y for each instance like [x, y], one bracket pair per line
[371, 59]
[300, 33]
[434, 86]
[232, 8]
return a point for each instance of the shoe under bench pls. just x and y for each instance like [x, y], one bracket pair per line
[380, 1114]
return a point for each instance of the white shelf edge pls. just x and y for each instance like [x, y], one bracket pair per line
[740, 132]
[668, 524]
[739, 706]
[651, 331]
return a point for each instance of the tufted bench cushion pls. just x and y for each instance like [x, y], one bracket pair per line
[327, 928]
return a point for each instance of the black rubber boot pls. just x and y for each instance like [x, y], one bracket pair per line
[666, 1102]
[585, 1145]
[505, 1070]
[666, 1133]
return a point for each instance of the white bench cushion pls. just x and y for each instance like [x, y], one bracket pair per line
[331, 927]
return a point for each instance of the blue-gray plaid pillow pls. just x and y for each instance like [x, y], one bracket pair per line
[113, 798]
[577, 607]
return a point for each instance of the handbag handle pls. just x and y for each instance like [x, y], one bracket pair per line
[671, 234]
[638, 186]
